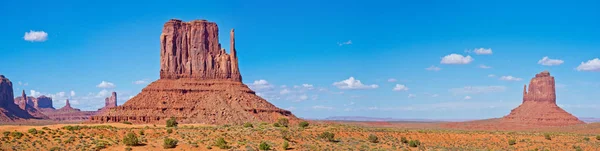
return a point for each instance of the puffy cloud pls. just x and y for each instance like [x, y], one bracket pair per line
[477, 89]
[456, 59]
[483, 51]
[140, 82]
[34, 93]
[284, 91]
[36, 36]
[510, 78]
[103, 93]
[467, 97]
[303, 97]
[491, 75]
[482, 66]
[106, 85]
[308, 86]
[352, 83]
[72, 93]
[550, 62]
[349, 42]
[261, 84]
[433, 68]
[392, 80]
[590, 65]
[321, 107]
[412, 95]
[400, 87]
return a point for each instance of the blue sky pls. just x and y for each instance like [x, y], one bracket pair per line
[297, 54]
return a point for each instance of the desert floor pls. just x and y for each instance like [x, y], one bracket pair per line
[347, 136]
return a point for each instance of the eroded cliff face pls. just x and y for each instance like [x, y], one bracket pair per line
[69, 113]
[9, 111]
[541, 89]
[199, 83]
[111, 101]
[192, 50]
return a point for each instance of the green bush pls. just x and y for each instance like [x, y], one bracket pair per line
[512, 142]
[577, 148]
[128, 148]
[264, 146]
[327, 136]
[169, 143]
[172, 122]
[131, 140]
[303, 124]
[127, 122]
[221, 143]
[6, 133]
[283, 122]
[32, 131]
[404, 140]
[169, 131]
[598, 137]
[141, 132]
[248, 125]
[414, 143]
[547, 136]
[100, 145]
[16, 134]
[373, 139]
[45, 128]
[586, 139]
[276, 125]
[285, 145]
[55, 148]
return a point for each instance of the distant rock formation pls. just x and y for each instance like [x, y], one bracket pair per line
[199, 83]
[68, 113]
[109, 102]
[9, 111]
[42, 103]
[539, 105]
[28, 105]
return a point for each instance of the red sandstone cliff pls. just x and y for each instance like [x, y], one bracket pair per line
[68, 113]
[199, 83]
[9, 111]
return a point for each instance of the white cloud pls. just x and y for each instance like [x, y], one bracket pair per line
[590, 65]
[261, 84]
[412, 95]
[284, 91]
[72, 93]
[34, 93]
[483, 51]
[400, 87]
[140, 82]
[477, 89]
[106, 85]
[308, 86]
[482, 66]
[291, 108]
[433, 68]
[349, 42]
[352, 83]
[510, 78]
[467, 97]
[20, 83]
[491, 75]
[456, 59]
[36, 36]
[321, 107]
[103, 93]
[303, 97]
[392, 80]
[550, 62]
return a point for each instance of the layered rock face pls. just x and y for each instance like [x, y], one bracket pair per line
[68, 113]
[26, 104]
[199, 83]
[42, 103]
[9, 111]
[111, 101]
[539, 105]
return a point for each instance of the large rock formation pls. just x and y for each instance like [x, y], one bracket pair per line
[68, 113]
[199, 83]
[9, 111]
[28, 105]
[109, 102]
[42, 103]
[539, 105]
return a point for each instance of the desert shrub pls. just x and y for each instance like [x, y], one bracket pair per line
[285, 134]
[55, 148]
[69, 140]
[195, 145]
[586, 139]
[141, 132]
[303, 124]
[276, 125]
[598, 137]
[248, 125]
[404, 140]
[46, 128]
[131, 140]
[6, 133]
[127, 122]
[221, 143]
[512, 142]
[264, 146]
[169, 131]
[577, 148]
[327, 136]
[32, 131]
[16, 134]
[414, 143]
[373, 139]
[285, 145]
[128, 148]
[283, 122]
[100, 145]
[172, 122]
[547, 136]
[169, 143]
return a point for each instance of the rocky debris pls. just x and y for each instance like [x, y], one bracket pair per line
[199, 83]
[68, 113]
[9, 111]
[538, 109]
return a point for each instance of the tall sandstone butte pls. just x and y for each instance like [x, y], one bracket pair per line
[539, 105]
[199, 83]
[9, 111]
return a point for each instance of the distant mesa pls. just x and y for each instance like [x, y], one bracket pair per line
[538, 109]
[69, 113]
[199, 83]
[109, 102]
[9, 111]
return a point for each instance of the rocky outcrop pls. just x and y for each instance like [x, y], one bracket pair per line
[192, 50]
[541, 89]
[42, 103]
[68, 113]
[199, 83]
[9, 111]
[28, 104]
[109, 102]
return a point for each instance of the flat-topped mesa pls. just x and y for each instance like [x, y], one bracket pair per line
[541, 89]
[192, 50]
